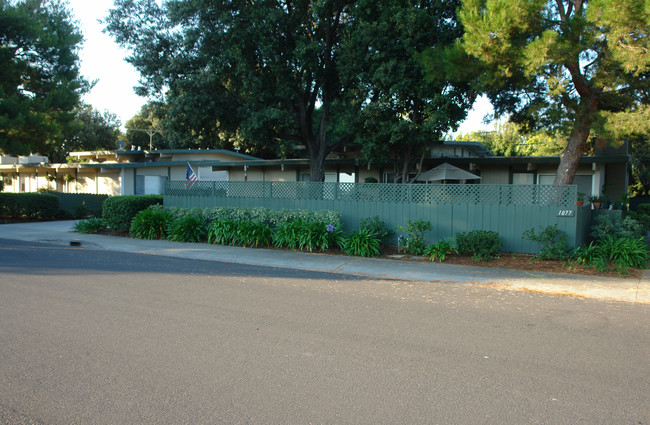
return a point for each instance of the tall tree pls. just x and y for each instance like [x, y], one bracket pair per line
[406, 100]
[572, 64]
[40, 83]
[90, 130]
[146, 127]
[259, 68]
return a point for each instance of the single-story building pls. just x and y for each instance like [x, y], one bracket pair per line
[139, 171]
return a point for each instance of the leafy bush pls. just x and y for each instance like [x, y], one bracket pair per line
[286, 235]
[363, 243]
[480, 244]
[441, 249]
[118, 211]
[643, 209]
[610, 225]
[32, 206]
[376, 226]
[625, 252]
[151, 223]
[553, 241]
[413, 243]
[613, 253]
[89, 225]
[222, 232]
[303, 235]
[252, 233]
[188, 228]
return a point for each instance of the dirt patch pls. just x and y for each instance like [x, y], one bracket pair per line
[528, 262]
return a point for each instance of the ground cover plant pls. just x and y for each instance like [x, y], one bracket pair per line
[441, 249]
[413, 243]
[553, 243]
[151, 223]
[187, 228]
[90, 225]
[480, 244]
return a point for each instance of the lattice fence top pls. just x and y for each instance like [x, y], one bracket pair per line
[555, 195]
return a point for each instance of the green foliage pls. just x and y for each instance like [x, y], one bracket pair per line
[413, 243]
[151, 223]
[625, 252]
[528, 53]
[89, 225]
[284, 86]
[40, 81]
[363, 243]
[480, 244]
[512, 139]
[302, 235]
[222, 232]
[613, 253]
[148, 118]
[252, 233]
[441, 249]
[553, 241]
[32, 206]
[118, 211]
[188, 228]
[400, 111]
[92, 130]
[643, 209]
[376, 226]
[613, 225]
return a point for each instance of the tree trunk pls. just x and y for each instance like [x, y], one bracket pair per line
[570, 158]
[316, 162]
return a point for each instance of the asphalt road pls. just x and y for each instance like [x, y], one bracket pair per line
[98, 337]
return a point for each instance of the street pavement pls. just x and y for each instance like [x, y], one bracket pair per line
[620, 289]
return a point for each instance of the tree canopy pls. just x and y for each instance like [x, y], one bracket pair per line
[577, 66]
[268, 75]
[90, 130]
[509, 139]
[40, 83]
[407, 98]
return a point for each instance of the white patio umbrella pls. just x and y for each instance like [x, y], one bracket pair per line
[446, 171]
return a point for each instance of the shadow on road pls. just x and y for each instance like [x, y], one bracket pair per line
[33, 258]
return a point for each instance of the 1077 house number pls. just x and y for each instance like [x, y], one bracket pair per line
[566, 213]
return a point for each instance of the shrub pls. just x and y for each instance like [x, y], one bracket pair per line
[440, 250]
[188, 228]
[251, 233]
[625, 252]
[89, 225]
[222, 232]
[613, 253]
[32, 206]
[643, 209]
[364, 243]
[607, 226]
[376, 226]
[118, 211]
[151, 223]
[553, 241]
[480, 244]
[304, 235]
[414, 243]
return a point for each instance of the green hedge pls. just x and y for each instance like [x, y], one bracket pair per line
[118, 211]
[32, 206]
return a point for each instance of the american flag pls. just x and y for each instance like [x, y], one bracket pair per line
[190, 177]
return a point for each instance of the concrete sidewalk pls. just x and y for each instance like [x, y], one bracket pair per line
[631, 290]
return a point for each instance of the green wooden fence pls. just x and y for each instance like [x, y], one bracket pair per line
[507, 209]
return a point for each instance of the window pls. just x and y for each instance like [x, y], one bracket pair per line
[523, 177]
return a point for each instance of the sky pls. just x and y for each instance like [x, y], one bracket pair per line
[103, 60]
